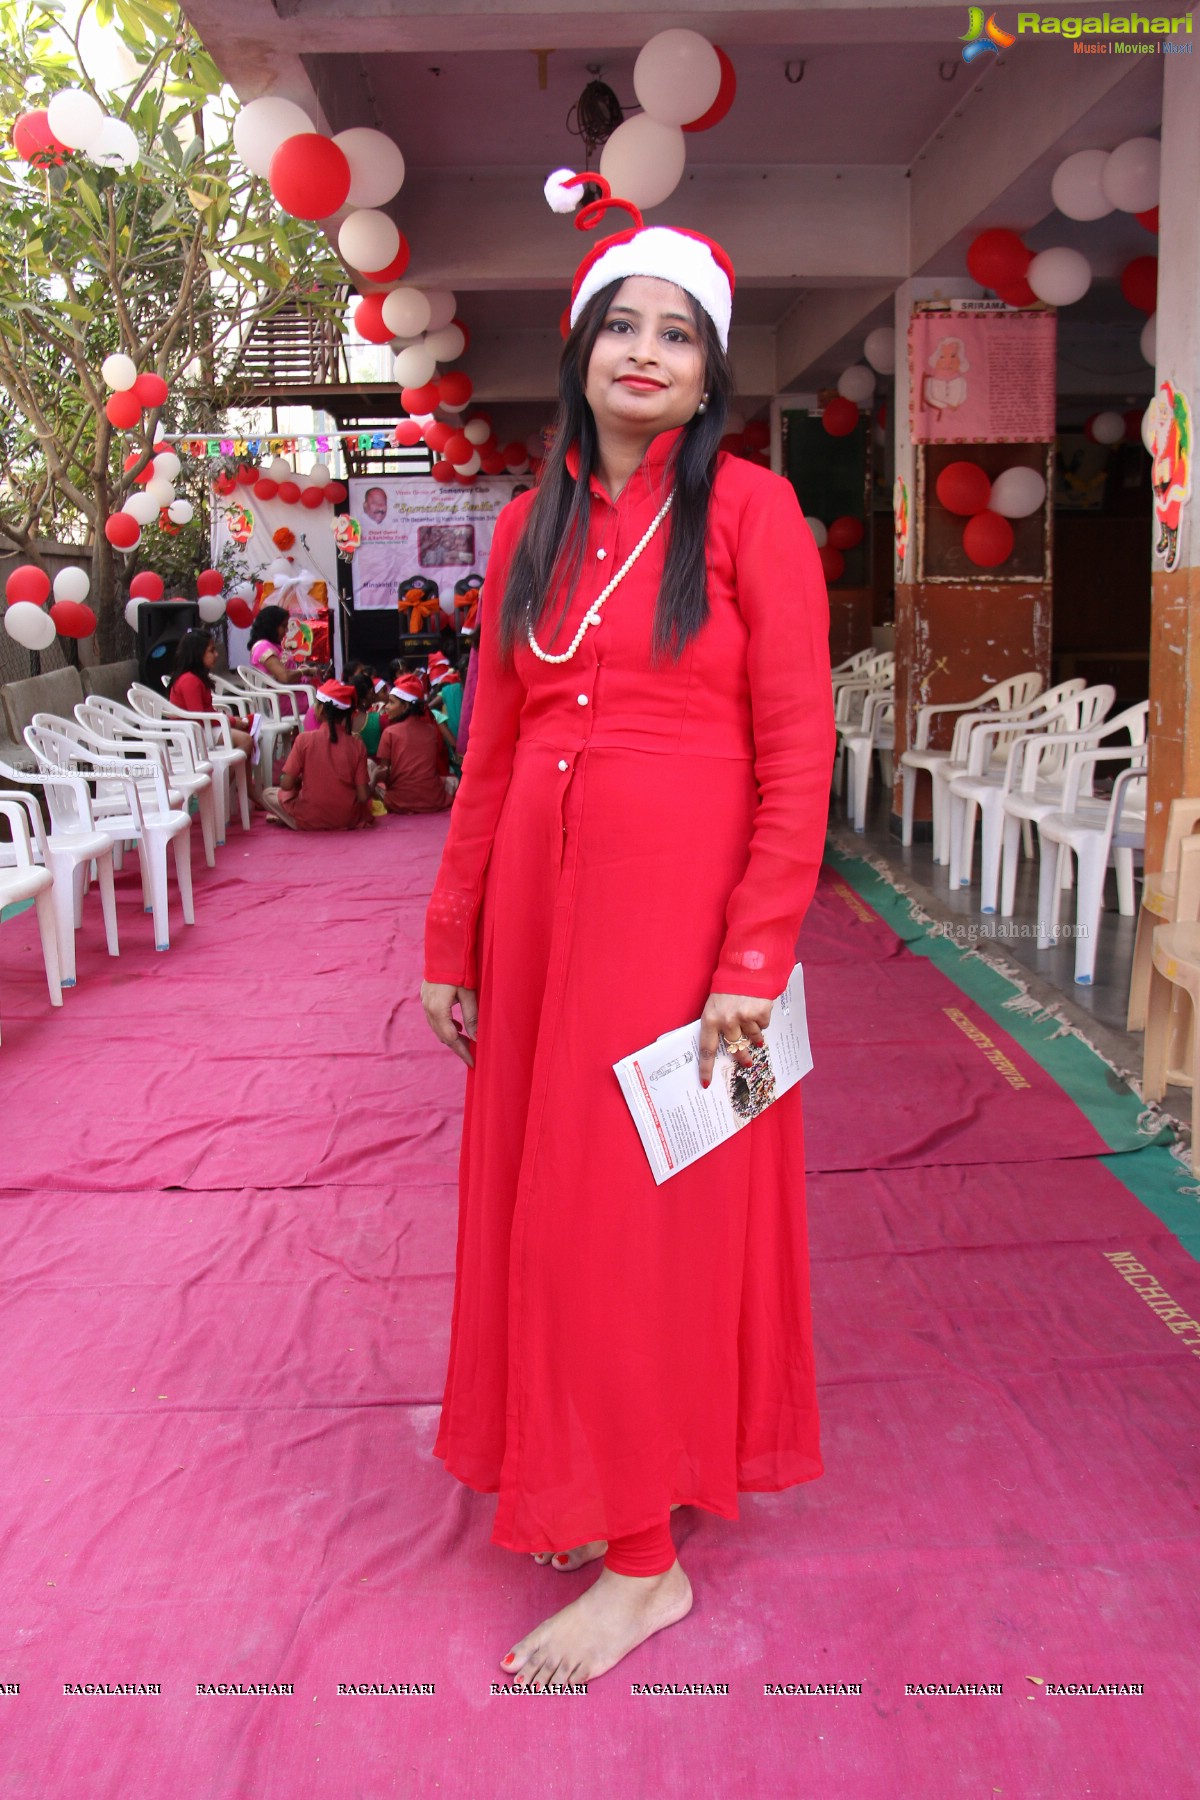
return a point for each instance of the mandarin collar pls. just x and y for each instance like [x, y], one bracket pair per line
[659, 452]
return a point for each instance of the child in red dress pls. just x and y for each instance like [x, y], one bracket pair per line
[324, 785]
[413, 765]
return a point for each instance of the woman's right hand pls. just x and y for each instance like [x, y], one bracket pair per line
[438, 998]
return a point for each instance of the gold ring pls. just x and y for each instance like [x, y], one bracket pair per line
[740, 1042]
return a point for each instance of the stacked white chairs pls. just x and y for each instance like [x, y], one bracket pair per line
[850, 695]
[267, 697]
[1004, 696]
[131, 802]
[1159, 905]
[112, 722]
[875, 733]
[844, 671]
[69, 850]
[1036, 753]
[24, 880]
[1018, 698]
[1039, 787]
[218, 750]
[1094, 832]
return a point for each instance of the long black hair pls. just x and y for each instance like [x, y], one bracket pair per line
[189, 658]
[550, 550]
[267, 623]
[327, 715]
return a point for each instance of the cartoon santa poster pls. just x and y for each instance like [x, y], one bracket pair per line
[945, 389]
[1170, 437]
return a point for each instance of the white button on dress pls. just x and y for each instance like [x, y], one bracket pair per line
[600, 555]
[562, 765]
[582, 699]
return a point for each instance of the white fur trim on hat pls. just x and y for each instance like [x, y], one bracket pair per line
[671, 256]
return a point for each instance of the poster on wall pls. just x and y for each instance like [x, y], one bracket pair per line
[412, 526]
[982, 377]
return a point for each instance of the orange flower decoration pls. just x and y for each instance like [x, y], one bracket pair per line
[283, 539]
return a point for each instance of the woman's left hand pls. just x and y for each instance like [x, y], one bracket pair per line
[730, 1016]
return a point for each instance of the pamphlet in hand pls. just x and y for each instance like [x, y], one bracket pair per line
[677, 1119]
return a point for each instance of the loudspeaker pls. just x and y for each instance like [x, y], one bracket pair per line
[161, 624]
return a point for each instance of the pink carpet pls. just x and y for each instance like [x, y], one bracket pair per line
[227, 1191]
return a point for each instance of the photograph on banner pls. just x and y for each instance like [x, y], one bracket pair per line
[982, 377]
[412, 526]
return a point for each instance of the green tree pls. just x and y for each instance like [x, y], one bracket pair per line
[173, 262]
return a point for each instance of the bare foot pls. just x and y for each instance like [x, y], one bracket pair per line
[593, 1633]
[565, 1561]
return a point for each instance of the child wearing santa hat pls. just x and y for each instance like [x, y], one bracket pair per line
[325, 785]
[414, 766]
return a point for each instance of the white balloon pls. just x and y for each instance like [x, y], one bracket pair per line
[477, 431]
[817, 527]
[211, 607]
[470, 468]
[29, 626]
[518, 468]
[405, 311]
[181, 512]
[142, 506]
[368, 240]
[131, 611]
[1148, 341]
[856, 383]
[262, 126]
[1107, 428]
[1017, 492]
[166, 465]
[72, 584]
[376, 170]
[1078, 185]
[1059, 276]
[116, 147]
[880, 349]
[76, 119]
[442, 307]
[1131, 174]
[643, 160]
[447, 344]
[319, 475]
[676, 77]
[280, 469]
[244, 590]
[414, 366]
[160, 491]
[119, 371]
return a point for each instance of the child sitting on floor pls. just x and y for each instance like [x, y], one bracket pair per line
[414, 767]
[325, 785]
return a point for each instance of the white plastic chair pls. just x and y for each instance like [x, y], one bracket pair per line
[1092, 837]
[25, 881]
[1004, 696]
[849, 706]
[131, 801]
[267, 696]
[218, 750]
[876, 733]
[68, 850]
[852, 663]
[112, 722]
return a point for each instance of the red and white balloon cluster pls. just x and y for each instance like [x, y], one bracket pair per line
[28, 623]
[831, 540]
[154, 499]
[683, 84]
[966, 489]
[856, 384]
[464, 450]
[1093, 183]
[279, 481]
[750, 440]
[74, 121]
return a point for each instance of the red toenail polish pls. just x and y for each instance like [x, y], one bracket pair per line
[561, 1558]
[510, 1657]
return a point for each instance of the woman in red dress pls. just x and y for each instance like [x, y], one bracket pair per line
[636, 837]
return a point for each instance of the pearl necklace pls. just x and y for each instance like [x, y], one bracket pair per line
[592, 616]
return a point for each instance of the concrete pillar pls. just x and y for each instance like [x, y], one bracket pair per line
[1175, 585]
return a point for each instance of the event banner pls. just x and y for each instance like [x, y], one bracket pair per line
[412, 525]
[982, 377]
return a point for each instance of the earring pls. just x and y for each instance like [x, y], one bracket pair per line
[703, 406]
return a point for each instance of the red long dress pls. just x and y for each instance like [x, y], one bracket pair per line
[624, 841]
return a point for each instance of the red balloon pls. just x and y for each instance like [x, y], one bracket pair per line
[310, 177]
[458, 447]
[466, 480]
[1139, 283]
[248, 475]
[225, 483]
[962, 487]
[724, 99]
[35, 142]
[832, 561]
[289, 492]
[150, 391]
[437, 435]
[1133, 425]
[845, 532]
[72, 619]
[209, 581]
[123, 410]
[395, 268]
[368, 320]
[840, 416]
[239, 612]
[27, 583]
[1149, 218]
[758, 435]
[407, 432]
[336, 492]
[988, 539]
[734, 442]
[454, 389]
[122, 531]
[514, 453]
[493, 463]
[420, 399]
[146, 586]
[265, 488]
[443, 471]
[312, 497]
[997, 256]
[466, 334]
[1016, 293]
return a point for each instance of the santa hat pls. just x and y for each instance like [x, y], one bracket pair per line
[438, 669]
[694, 263]
[337, 693]
[407, 687]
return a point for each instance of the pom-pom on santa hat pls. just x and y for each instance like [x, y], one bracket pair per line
[694, 263]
